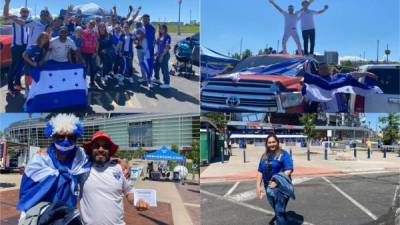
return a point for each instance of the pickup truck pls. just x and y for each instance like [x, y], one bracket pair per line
[388, 81]
[243, 91]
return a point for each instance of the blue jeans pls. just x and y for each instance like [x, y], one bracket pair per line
[91, 66]
[17, 63]
[140, 56]
[278, 202]
[126, 67]
[164, 68]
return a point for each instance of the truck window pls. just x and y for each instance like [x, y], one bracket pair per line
[389, 80]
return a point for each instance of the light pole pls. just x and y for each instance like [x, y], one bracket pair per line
[179, 17]
[387, 53]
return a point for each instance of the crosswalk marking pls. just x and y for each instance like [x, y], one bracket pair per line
[368, 212]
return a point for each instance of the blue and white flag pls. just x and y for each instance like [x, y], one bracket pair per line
[289, 67]
[318, 89]
[57, 86]
[46, 179]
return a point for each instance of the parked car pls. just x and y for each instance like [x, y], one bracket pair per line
[241, 91]
[5, 46]
[388, 81]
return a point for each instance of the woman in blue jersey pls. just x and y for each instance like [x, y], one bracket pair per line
[162, 55]
[274, 170]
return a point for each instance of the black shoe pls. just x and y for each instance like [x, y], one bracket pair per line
[272, 221]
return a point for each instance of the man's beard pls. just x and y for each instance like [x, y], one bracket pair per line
[104, 159]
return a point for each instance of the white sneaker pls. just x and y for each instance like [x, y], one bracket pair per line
[130, 80]
[164, 86]
[150, 85]
[106, 78]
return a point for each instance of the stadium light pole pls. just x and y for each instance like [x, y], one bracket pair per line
[179, 17]
[26, 3]
[377, 52]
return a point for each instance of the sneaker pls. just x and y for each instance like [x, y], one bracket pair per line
[103, 82]
[130, 80]
[106, 77]
[150, 85]
[156, 81]
[142, 80]
[164, 86]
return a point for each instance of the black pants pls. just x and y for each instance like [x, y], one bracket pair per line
[17, 62]
[309, 35]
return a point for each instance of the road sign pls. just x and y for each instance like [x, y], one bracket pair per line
[329, 133]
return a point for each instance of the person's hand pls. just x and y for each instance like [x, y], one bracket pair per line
[371, 75]
[260, 193]
[70, 8]
[272, 184]
[130, 8]
[42, 152]
[114, 7]
[326, 7]
[140, 8]
[142, 205]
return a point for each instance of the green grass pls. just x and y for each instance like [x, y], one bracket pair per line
[172, 28]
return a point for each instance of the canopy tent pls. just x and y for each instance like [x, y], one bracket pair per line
[164, 153]
[213, 63]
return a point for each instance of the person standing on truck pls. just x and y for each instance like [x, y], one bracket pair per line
[307, 25]
[291, 19]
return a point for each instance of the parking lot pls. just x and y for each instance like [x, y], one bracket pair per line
[333, 200]
[183, 96]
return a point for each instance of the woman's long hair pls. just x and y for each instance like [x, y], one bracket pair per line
[268, 150]
[159, 34]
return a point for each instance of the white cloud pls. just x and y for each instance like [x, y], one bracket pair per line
[351, 58]
[15, 11]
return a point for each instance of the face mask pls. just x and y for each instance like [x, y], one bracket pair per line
[64, 146]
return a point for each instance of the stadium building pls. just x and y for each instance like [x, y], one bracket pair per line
[129, 131]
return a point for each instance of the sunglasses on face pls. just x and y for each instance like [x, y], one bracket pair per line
[63, 137]
[105, 145]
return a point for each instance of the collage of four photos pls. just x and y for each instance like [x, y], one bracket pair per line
[200, 112]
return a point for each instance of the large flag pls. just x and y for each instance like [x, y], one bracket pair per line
[46, 179]
[318, 89]
[57, 86]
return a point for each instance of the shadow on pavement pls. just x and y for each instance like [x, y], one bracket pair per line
[158, 222]
[294, 218]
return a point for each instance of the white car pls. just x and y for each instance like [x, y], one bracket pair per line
[388, 81]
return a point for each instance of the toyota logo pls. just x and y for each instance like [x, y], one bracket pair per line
[232, 101]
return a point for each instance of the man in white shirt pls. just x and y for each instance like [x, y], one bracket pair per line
[61, 46]
[103, 189]
[307, 25]
[290, 26]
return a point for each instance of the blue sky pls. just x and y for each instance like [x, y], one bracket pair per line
[158, 9]
[348, 26]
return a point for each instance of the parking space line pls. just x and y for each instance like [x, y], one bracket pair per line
[232, 189]
[270, 213]
[396, 195]
[368, 212]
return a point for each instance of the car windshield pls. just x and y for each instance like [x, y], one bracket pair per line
[388, 80]
[5, 30]
[262, 65]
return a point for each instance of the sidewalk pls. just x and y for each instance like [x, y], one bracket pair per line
[341, 163]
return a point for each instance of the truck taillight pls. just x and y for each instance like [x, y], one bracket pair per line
[359, 105]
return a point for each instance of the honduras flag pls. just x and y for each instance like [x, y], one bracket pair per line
[318, 89]
[288, 68]
[46, 179]
[57, 86]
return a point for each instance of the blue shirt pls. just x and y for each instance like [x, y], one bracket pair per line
[78, 42]
[277, 164]
[150, 36]
[35, 52]
[162, 43]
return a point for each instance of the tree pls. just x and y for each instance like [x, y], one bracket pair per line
[247, 53]
[261, 52]
[175, 148]
[218, 119]
[236, 56]
[195, 156]
[391, 130]
[308, 119]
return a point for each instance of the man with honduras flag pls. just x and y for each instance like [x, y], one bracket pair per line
[53, 176]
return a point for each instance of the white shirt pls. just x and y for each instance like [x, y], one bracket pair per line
[102, 195]
[59, 50]
[35, 28]
[307, 20]
[127, 42]
[290, 20]
[20, 34]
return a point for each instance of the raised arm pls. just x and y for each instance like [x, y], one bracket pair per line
[6, 13]
[129, 12]
[323, 10]
[276, 6]
[364, 74]
[68, 14]
[136, 13]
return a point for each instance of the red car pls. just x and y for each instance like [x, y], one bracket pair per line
[5, 46]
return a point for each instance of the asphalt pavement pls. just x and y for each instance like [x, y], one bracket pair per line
[331, 200]
[183, 96]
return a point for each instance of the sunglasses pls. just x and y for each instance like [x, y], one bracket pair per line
[105, 146]
[70, 137]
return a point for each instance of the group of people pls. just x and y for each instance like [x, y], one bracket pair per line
[111, 40]
[57, 178]
[306, 17]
